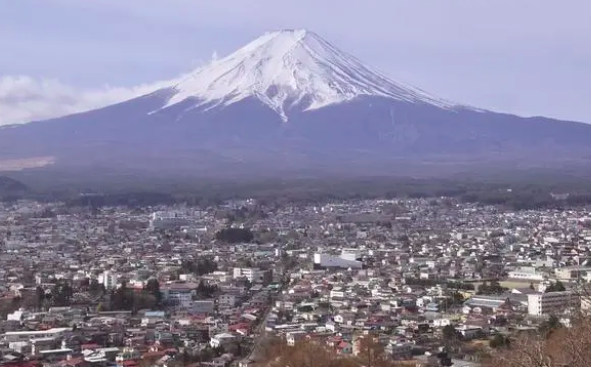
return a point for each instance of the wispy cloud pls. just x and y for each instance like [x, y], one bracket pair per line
[25, 99]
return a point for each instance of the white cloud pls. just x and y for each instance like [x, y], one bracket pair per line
[25, 99]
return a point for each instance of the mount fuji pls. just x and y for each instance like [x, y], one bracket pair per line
[288, 69]
[291, 102]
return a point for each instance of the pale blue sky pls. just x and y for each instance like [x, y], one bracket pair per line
[530, 57]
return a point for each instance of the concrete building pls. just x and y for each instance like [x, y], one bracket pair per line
[201, 307]
[165, 220]
[226, 301]
[330, 261]
[16, 336]
[180, 294]
[526, 273]
[108, 279]
[573, 272]
[254, 275]
[540, 304]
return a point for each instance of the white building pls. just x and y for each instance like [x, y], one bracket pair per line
[220, 340]
[400, 350]
[254, 275]
[526, 273]
[540, 304]
[294, 336]
[337, 293]
[165, 220]
[108, 279]
[226, 301]
[180, 294]
[16, 336]
[350, 254]
[573, 272]
[19, 315]
[329, 261]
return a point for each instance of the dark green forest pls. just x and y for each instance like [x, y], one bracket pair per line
[515, 192]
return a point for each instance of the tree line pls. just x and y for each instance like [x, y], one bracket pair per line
[200, 266]
[528, 191]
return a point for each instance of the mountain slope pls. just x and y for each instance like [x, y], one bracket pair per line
[291, 68]
[9, 186]
[291, 102]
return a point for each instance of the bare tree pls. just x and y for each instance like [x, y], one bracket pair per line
[565, 347]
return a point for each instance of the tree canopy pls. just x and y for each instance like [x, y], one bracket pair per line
[491, 288]
[234, 235]
[557, 286]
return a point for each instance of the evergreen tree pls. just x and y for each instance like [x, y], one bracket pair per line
[153, 288]
[40, 297]
[499, 341]
[558, 286]
[61, 294]
[94, 286]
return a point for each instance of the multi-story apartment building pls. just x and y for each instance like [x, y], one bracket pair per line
[254, 275]
[539, 304]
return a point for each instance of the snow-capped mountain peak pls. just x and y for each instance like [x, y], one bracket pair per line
[287, 68]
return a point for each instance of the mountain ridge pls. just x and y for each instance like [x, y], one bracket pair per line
[10, 186]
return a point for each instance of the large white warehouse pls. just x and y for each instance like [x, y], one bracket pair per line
[330, 261]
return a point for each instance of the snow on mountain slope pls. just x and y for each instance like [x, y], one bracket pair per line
[287, 68]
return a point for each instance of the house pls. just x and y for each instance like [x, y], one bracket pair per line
[470, 331]
[432, 307]
[399, 350]
[226, 301]
[220, 340]
[179, 293]
[344, 318]
[344, 348]
[294, 336]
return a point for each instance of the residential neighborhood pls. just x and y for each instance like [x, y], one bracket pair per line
[432, 282]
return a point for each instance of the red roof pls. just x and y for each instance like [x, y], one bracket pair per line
[242, 325]
[334, 339]
[343, 344]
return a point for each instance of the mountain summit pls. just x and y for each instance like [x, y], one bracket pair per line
[291, 69]
[229, 118]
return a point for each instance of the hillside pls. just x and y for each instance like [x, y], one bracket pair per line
[9, 186]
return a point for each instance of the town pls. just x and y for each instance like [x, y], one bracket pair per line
[416, 282]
